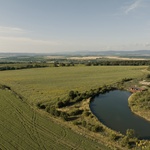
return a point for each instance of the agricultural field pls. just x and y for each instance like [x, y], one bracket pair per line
[48, 84]
[23, 126]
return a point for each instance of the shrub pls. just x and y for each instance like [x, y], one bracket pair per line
[126, 80]
[57, 113]
[60, 104]
[87, 113]
[130, 133]
[47, 109]
[76, 112]
[124, 141]
[52, 110]
[97, 128]
[78, 99]
[114, 137]
[90, 128]
[148, 76]
[72, 94]
[77, 123]
[63, 103]
[84, 123]
[41, 106]
[64, 116]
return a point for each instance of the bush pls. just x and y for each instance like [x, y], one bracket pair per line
[76, 112]
[90, 128]
[130, 133]
[78, 99]
[60, 104]
[126, 80]
[66, 102]
[41, 106]
[77, 123]
[52, 110]
[57, 113]
[124, 141]
[114, 137]
[64, 116]
[72, 94]
[148, 76]
[63, 103]
[97, 128]
[84, 123]
[47, 109]
[87, 113]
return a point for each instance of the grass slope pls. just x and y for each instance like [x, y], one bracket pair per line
[23, 128]
[140, 104]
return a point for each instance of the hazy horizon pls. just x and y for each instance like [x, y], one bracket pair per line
[66, 26]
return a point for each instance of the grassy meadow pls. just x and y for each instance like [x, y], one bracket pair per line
[46, 84]
[24, 127]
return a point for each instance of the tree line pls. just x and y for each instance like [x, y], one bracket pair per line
[18, 67]
[118, 63]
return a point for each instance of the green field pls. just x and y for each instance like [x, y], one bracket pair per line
[46, 84]
[24, 127]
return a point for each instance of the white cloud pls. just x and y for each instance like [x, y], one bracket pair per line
[11, 30]
[27, 40]
[136, 4]
[147, 44]
[24, 44]
[13, 39]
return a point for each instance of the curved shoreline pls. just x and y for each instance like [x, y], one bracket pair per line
[113, 110]
[104, 138]
[139, 113]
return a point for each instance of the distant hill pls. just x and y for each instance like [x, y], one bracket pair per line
[106, 53]
[140, 53]
[136, 53]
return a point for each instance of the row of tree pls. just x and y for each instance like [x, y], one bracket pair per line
[14, 66]
[75, 96]
[3, 68]
[103, 63]
[118, 63]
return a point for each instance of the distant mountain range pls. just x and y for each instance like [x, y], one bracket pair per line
[140, 53]
[108, 53]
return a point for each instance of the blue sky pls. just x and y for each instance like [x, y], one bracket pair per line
[74, 25]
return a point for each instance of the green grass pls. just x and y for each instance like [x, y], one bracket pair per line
[46, 84]
[23, 128]
[140, 104]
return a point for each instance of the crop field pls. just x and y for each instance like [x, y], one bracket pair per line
[23, 127]
[47, 84]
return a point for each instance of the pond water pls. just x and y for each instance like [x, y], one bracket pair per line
[112, 110]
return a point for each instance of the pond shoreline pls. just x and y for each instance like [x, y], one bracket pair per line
[113, 110]
[139, 113]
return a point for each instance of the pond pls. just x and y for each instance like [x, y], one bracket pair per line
[112, 110]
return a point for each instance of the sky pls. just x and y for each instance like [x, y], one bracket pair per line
[47, 26]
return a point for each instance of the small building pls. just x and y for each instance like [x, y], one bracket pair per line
[136, 89]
